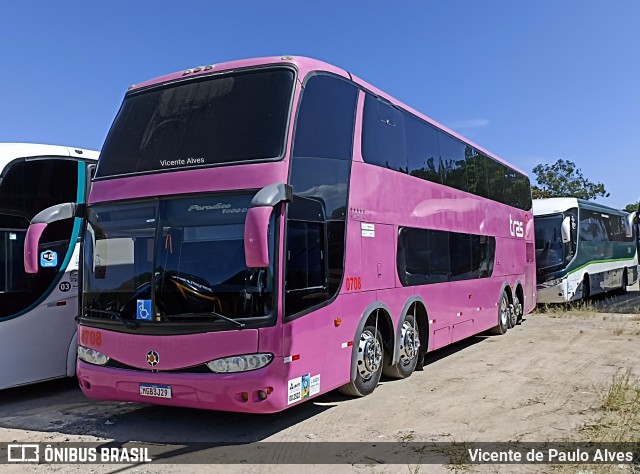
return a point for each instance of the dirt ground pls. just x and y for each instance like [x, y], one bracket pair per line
[539, 382]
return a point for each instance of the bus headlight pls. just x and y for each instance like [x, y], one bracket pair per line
[240, 363]
[92, 357]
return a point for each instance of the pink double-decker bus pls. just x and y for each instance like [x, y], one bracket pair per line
[262, 231]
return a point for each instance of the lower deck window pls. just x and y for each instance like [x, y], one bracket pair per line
[433, 256]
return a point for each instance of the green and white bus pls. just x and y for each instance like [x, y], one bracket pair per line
[582, 249]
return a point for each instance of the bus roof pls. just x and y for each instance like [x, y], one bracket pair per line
[12, 151]
[304, 65]
[547, 206]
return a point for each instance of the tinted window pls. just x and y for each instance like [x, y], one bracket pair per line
[423, 155]
[476, 173]
[433, 256]
[226, 118]
[383, 141]
[496, 179]
[593, 227]
[452, 153]
[305, 256]
[460, 253]
[320, 169]
[326, 118]
[32, 186]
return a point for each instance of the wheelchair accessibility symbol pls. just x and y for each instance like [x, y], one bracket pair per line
[143, 310]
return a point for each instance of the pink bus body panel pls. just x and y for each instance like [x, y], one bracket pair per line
[320, 343]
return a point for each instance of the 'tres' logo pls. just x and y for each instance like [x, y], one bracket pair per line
[516, 228]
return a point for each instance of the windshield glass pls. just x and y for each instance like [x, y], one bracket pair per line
[226, 118]
[549, 247]
[195, 247]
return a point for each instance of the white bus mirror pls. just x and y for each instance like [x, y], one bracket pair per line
[628, 225]
[565, 230]
[39, 223]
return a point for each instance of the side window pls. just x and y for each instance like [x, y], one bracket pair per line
[439, 256]
[319, 176]
[433, 256]
[423, 157]
[476, 173]
[452, 154]
[460, 251]
[305, 256]
[483, 251]
[383, 135]
[496, 179]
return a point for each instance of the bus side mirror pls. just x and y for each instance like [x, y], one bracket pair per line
[39, 223]
[256, 228]
[565, 230]
[632, 219]
[256, 237]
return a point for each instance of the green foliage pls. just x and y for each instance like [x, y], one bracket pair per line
[564, 179]
[632, 207]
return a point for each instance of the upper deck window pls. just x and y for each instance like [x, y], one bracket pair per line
[223, 119]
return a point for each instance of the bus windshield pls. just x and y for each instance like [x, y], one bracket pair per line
[175, 260]
[225, 118]
[549, 247]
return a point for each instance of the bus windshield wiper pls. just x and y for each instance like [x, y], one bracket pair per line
[117, 315]
[207, 314]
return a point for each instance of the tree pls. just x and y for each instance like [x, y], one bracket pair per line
[564, 179]
[632, 207]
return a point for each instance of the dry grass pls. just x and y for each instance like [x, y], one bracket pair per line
[567, 310]
[617, 422]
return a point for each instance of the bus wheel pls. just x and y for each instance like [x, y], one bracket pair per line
[504, 313]
[409, 351]
[518, 309]
[625, 282]
[369, 369]
[586, 287]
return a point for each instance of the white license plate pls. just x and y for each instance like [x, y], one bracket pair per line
[152, 390]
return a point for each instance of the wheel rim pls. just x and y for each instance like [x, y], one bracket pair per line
[369, 355]
[410, 343]
[504, 311]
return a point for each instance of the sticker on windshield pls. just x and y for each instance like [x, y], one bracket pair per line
[48, 258]
[143, 309]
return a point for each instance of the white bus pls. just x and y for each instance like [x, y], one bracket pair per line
[582, 249]
[37, 312]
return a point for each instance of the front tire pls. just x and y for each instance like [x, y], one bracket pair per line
[369, 364]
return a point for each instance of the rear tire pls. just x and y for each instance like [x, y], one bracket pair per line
[518, 308]
[586, 288]
[625, 282]
[409, 351]
[503, 315]
[369, 364]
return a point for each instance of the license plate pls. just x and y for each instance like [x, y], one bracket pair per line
[152, 390]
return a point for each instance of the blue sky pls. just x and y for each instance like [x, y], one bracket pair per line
[530, 81]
